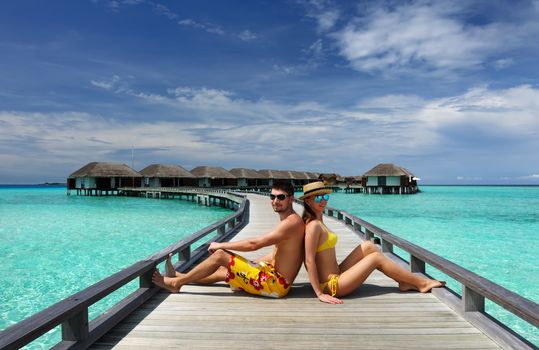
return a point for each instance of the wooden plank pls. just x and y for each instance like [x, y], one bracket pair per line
[376, 316]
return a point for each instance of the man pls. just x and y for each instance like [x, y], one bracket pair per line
[271, 275]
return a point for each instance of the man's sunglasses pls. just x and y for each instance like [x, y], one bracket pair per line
[319, 198]
[280, 197]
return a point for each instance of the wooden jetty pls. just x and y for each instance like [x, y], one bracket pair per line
[376, 316]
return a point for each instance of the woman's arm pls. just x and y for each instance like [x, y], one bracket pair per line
[312, 236]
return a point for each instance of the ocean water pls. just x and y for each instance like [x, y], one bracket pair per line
[53, 245]
[490, 230]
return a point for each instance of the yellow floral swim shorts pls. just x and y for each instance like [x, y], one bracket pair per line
[255, 278]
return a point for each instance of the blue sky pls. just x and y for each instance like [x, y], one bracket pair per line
[447, 89]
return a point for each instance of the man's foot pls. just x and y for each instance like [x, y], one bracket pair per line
[169, 268]
[164, 282]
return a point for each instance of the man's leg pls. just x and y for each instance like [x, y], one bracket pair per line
[217, 276]
[202, 272]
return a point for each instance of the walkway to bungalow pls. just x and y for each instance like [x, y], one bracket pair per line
[377, 316]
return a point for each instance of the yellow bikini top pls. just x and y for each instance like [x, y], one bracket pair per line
[329, 243]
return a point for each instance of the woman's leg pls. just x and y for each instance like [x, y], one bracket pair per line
[357, 254]
[352, 278]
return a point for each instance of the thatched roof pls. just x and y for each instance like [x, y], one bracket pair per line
[274, 174]
[312, 176]
[327, 176]
[165, 171]
[209, 172]
[104, 169]
[298, 175]
[388, 169]
[244, 173]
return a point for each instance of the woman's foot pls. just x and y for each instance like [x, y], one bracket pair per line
[405, 287]
[425, 287]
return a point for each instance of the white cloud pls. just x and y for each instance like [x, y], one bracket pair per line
[208, 27]
[313, 57]
[426, 36]
[165, 11]
[324, 12]
[532, 176]
[508, 111]
[247, 35]
[503, 63]
[106, 84]
[216, 126]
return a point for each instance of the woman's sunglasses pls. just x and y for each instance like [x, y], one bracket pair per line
[319, 198]
[280, 197]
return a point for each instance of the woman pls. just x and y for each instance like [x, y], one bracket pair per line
[330, 279]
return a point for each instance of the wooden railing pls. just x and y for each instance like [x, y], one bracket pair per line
[72, 313]
[475, 289]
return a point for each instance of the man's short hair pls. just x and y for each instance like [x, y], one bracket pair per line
[284, 186]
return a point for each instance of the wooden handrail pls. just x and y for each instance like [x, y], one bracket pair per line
[514, 303]
[72, 312]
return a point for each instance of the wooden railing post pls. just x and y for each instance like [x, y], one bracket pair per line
[330, 212]
[347, 221]
[339, 215]
[221, 230]
[472, 301]
[368, 235]
[185, 254]
[145, 280]
[387, 247]
[416, 264]
[75, 328]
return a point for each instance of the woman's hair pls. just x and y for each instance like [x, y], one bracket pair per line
[308, 213]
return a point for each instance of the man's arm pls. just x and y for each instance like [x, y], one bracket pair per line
[267, 257]
[278, 234]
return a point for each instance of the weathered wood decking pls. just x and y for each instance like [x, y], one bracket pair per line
[377, 316]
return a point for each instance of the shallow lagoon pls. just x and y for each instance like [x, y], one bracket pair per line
[53, 245]
[490, 230]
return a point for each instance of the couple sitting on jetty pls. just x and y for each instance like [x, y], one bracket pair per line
[273, 275]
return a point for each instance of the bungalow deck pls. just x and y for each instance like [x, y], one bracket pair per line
[376, 316]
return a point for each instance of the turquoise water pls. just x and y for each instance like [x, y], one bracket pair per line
[53, 245]
[490, 230]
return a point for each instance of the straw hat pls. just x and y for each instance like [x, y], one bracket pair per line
[314, 188]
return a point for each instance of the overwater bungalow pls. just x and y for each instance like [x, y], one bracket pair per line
[331, 179]
[248, 177]
[353, 180]
[312, 176]
[162, 175]
[274, 175]
[298, 178]
[213, 177]
[98, 178]
[389, 178]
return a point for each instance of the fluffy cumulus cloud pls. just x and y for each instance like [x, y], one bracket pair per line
[231, 131]
[426, 36]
